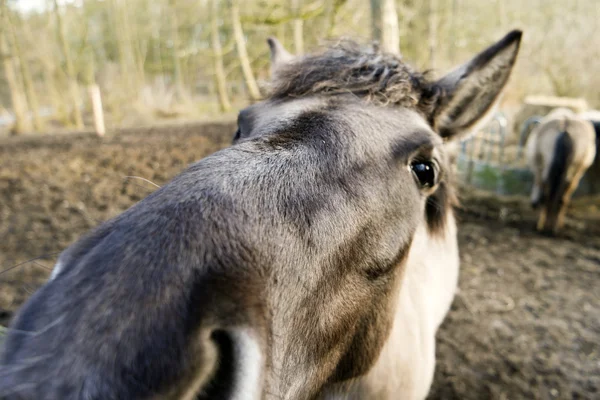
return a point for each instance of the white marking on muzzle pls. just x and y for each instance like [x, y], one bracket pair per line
[249, 366]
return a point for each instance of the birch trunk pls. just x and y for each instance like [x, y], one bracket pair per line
[71, 75]
[218, 58]
[19, 104]
[240, 43]
[384, 19]
[30, 93]
[298, 27]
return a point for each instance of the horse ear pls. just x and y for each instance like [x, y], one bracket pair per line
[279, 55]
[469, 94]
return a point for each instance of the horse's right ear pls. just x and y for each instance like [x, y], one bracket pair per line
[468, 95]
[279, 55]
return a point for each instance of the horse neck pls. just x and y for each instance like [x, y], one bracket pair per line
[407, 360]
[431, 273]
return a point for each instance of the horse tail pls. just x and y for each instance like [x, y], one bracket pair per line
[597, 129]
[562, 157]
[565, 127]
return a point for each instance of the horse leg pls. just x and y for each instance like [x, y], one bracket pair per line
[542, 219]
[566, 198]
[536, 195]
[545, 206]
[538, 187]
[561, 215]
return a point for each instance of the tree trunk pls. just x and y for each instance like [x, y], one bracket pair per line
[51, 78]
[71, 75]
[333, 7]
[298, 24]
[218, 58]
[281, 32]
[432, 32]
[157, 50]
[240, 43]
[453, 30]
[30, 92]
[127, 64]
[384, 19]
[133, 49]
[177, 70]
[19, 104]
[376, 20]
[56, 100]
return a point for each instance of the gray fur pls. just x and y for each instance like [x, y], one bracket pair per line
[298, 233]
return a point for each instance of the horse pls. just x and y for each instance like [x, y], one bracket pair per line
[314, 258]
[560, 149]
[593, 172]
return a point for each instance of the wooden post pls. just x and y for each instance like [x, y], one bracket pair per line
[96, 98]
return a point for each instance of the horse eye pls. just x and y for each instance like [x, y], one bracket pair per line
[424, 171]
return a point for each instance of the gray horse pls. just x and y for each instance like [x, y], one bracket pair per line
[559, 151]
[314, 258]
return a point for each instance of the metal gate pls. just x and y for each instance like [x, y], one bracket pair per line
[488, 161]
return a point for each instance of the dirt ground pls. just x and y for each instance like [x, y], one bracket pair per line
[525, 323]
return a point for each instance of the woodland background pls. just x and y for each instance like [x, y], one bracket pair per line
[159, 60]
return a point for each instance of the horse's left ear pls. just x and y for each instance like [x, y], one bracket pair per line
[469, 94]
[279, 55]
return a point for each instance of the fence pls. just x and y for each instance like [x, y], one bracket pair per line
[489, 162]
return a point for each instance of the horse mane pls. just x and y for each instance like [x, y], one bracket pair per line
[364, 71]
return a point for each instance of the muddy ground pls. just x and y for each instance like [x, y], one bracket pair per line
[525, 323]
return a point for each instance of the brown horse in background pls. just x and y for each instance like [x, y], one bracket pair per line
[559, 151]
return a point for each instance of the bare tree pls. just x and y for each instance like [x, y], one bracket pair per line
[71, 75]
[298, 25]
[19, 104]
[132, 77]
[218, 57]
[453, 28]
[432, 33]
[19, 58]
[167, 46]
[51, 73]
[240, 43]
[333, 7]
[384, 20]
[177, 71]
[132, 46]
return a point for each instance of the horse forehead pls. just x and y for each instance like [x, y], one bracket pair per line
[272, 116]
[275, 115]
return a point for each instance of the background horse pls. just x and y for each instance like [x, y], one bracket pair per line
[559, 151]
[594, 171]
[314, 258]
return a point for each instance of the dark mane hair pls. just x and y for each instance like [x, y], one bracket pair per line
[365, 71]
